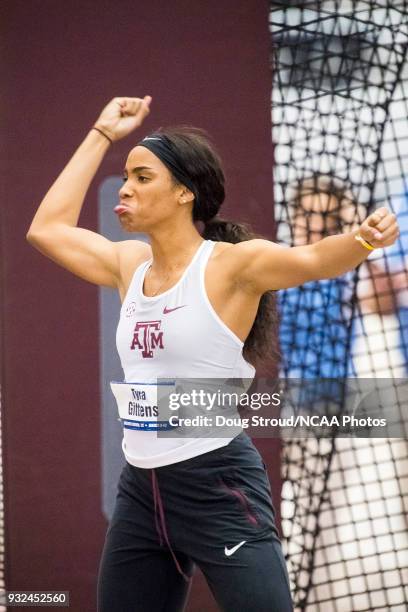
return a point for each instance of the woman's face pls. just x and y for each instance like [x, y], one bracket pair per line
[148, 196]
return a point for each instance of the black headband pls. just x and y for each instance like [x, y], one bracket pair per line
[163, 148]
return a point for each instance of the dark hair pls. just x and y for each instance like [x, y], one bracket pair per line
[203, 165]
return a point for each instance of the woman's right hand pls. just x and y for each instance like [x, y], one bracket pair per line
[123, 115]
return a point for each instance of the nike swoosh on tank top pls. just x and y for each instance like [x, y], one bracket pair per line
[176, 334]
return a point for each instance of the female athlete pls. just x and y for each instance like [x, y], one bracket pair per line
[193, 305]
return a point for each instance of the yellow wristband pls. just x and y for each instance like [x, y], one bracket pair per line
[364, 243]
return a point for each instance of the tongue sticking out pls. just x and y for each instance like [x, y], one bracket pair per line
[119, 209]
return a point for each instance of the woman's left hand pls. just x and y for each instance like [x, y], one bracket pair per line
[380, 229]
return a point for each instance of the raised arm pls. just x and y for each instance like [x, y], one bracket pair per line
[54, 230]
[261, 265]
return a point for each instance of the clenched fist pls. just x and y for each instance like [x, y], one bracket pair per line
[380, 229]
[123, 115]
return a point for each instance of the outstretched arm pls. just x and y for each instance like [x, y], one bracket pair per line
[54, 230]
[262, 265]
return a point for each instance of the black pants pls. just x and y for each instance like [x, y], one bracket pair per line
[214, 511]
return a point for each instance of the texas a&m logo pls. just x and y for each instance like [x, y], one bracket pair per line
[146, 337]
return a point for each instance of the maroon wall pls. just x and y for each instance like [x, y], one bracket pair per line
[204, 63]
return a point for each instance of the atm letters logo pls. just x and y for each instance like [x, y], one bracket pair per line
[147, 337]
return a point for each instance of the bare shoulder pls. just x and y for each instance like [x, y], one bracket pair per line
[234, 256]
[245, 264]
[131, 253]
[231, 260]
[260, 265]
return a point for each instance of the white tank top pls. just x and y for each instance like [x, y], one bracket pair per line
[175, 334]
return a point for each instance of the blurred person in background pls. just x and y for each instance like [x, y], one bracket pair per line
[383, 296]
[316, 324]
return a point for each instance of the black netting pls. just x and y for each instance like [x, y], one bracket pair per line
[340, 128]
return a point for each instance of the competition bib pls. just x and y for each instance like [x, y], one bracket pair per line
[138, 404]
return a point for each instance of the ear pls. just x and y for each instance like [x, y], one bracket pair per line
[186, 196]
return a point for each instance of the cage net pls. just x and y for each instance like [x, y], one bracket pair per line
[340, 131]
